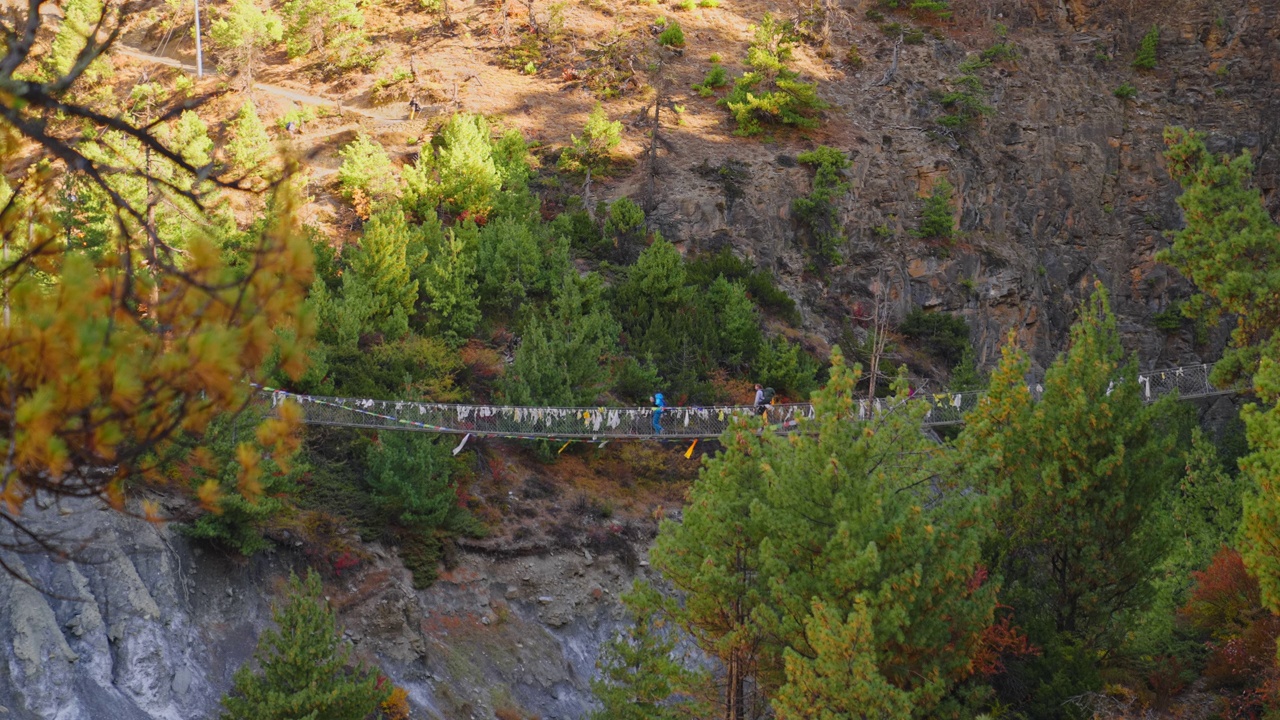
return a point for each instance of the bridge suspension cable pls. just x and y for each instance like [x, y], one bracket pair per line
[636, 423]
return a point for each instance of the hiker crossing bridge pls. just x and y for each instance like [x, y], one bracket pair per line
[636, 423]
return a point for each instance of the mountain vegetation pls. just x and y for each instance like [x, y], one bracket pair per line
[172, 248]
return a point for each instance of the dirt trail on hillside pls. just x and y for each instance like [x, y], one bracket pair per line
[382, 116]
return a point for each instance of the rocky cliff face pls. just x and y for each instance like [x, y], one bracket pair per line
[1063, 184]
[146, 626]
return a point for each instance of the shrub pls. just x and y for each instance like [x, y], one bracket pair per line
[965, 103]
[937, 219]
[710, 4]
[716, 78]
[942, 335]
[1000, 51]
[935, 8]
[298, 115]
[770, 92]
[686, 5]
[853, 58]
[391, 88]
[1145, 59]
[367, 168]
[817, 209]
[672, 35]
[591, 151]
[1126, 91]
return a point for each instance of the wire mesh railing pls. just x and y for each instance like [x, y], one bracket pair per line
[606, 423]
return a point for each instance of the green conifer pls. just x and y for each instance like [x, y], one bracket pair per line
[639, 677]
[1084, 475]
[250, 145]
[304, 667]
[242, 34]
[390, 250]
[565, 355]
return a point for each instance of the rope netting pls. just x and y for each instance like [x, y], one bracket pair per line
[605, 423]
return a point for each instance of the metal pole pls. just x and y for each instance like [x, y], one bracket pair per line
[199, 56]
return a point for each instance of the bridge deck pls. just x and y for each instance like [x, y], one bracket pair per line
[636, 423]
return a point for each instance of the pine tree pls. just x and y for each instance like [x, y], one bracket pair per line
[937, 219]
[449, 282]
[639, 678]
[390, 250]
[771, 92]
[1230, 249]
[509, 261]
[304, 667]
[366, 168]
[250, 146]
[79, 20]
[852, 519]
[590, 151]
[712, 556]
[1084, 474]
[843, 679]
[565, 355]
[309, 24]
[411, 476]
[243, 33]
[836, 515]
[463, 176]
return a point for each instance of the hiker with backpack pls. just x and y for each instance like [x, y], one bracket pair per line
[658, 404]
[764, 398]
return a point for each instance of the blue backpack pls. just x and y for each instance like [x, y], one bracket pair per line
[657, 400]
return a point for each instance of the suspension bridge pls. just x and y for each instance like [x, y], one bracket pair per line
[677, 422]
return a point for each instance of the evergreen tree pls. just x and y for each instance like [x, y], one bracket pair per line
[390, 250]
[462, 176]
[449, 282]
[590, 151]
[509, 262]
[411, 476]
[843, 679]
[1230, 249]
[565, 354]
[851, 520]
[1084, 475]
[937, 219]
[712, 556]
[366, 168]
[250, 145]
[639, 679]
[737, 320]
[304, 667]
[309, 24]
[243, 33]
[836, 515]
[79, 20]
[771, 92]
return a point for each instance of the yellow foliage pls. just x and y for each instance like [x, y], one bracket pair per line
[107, 360]
[396, 707]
